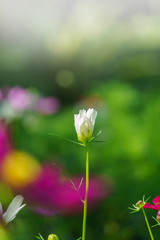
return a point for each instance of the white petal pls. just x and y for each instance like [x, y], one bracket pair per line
[76, 122]
[93, 117]
[77, 119]
[89, 112]
[85, 127]
[82, 113]
[13, 209]
[92, 114]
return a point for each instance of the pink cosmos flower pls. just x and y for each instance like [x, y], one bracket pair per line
[70, 197]
[53, 193]
[155, 205]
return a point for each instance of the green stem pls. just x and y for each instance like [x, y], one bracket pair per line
[86, 196]
[149, 229]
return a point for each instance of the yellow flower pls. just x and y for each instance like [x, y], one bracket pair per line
[20, 169]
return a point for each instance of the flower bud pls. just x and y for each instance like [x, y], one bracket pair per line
[53, 237]
[139, 203]
[84, 124]
[158, 216]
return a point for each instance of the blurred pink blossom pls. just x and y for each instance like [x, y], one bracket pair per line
[14, 101]
[52, 193]
[47, 105]
[5, 145]
[19, 98]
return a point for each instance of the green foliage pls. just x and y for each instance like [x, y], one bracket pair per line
[129, 119]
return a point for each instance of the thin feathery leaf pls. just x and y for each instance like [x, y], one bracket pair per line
[73, 185]
[68, 178]
[98, 134]
[155, 225]
[93, 138]
[131, 208]
[147, 199]
[77, 190]
[133, 212]
[80, 183]
[68, 140]
[135, 209]
[143, 198]
[79, 238]
[158, 223]
[40, 237]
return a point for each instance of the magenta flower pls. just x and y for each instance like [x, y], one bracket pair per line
[155, 205]
[5, 145]
[40, 193]
[70, 197]
[53, 193]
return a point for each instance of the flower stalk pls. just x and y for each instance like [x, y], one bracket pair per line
[86, 196]
[84, 123]
[149, 229]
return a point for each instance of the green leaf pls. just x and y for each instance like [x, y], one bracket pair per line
[79, 238]
[91, 139]
[158, 223]
[68, 140]
[40, 237]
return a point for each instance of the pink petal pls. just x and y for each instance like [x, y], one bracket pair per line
[156, 201]
[52, 193]
[69, 199]
[148, 205]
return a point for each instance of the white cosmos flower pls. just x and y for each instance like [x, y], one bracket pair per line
[12, 210]
[84, 124]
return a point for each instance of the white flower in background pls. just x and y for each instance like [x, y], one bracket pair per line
[84, 123]
[12, 210]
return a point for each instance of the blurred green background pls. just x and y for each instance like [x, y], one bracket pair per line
[87, 55]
